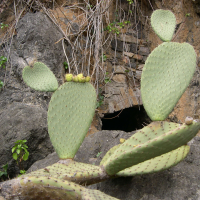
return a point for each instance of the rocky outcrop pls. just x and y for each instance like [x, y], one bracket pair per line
[20, 121]
[23, 111]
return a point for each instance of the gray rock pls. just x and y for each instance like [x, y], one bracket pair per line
[119, 45]
[36, 40]
[23, 110]
[133, 48]
[144, 51]
[20, 121]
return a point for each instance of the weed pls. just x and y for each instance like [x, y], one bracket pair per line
[20, 152]
[4, 173]
[65, 65]
[130, 1]
[107, 79]
[98, 154]
[187, 14]
[1, 84]
[3, 25]
[100, 98]
[103, 58]
[21, 172]
[112, 26]
[3, 60]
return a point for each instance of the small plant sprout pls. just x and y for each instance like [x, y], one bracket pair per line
[20, 152]
[98, 154]
[100, 98]
[1, 84]
[3, 60]
[103, 58]
[107, 79]
[130, 1]
[4, 25]
[187, 14]
[65, 65]
[4, 173]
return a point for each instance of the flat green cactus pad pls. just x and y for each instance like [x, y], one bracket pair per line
[163, 23]
[109, 153]
[70, 114]
[40, 77]
[166, 74]
[48, 188]
[77, 172]
[31, 187]
[153, 140]
[157, 164]
[88, 194]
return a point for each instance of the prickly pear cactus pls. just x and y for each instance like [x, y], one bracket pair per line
[70, 114]
[167, 73]
[163, 23]
[40, 77]
[153, 140]
[157, 164]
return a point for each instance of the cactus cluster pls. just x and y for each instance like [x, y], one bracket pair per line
[158, 146]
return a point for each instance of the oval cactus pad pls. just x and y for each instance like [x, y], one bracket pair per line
[70, 114]
[166, 74]
[40, 77]
[163, 23]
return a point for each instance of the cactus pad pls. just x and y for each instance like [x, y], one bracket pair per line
[154, 140]
[163, 23]
[70, 114]
[40, 77]
[77, 172]
[88, 194]
[157, 164]
[166, 75]
[48, 188]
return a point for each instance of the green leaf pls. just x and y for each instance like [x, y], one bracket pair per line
[18, 151]
[2, 173]
[22, 171]
[25, 156]
[13, 149]
[15, 156]
[5, 167]
[24, 149]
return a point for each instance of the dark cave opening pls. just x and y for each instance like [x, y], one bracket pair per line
[129, 119]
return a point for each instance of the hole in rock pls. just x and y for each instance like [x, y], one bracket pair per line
[130, 119]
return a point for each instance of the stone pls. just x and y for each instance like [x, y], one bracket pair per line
[119, 46]
[129, 39]
[140, 67]
[23, 111]
[119, 78]
[36, 43]
[69, 20]
[133, 48]
[138, 74]
[144, 51]
[138, 57]
[129, 54]
[20, 121]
